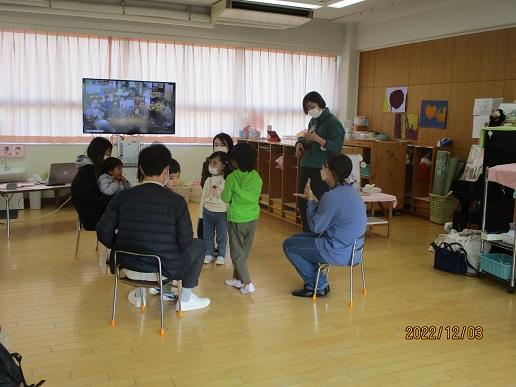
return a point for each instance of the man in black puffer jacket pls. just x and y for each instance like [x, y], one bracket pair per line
[151, 219]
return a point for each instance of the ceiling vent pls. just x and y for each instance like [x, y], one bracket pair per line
[250, 14]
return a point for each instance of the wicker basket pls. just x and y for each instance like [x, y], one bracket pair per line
[442, 208]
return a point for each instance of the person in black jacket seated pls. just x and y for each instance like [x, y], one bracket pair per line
[87, 199]
[151, 219]
[222, 142]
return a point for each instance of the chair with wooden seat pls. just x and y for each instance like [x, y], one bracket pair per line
[159, 283]
[357, 251]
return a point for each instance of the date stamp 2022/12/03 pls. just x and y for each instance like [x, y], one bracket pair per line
[444, 332]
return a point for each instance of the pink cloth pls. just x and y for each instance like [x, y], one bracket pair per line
[380, 197]
[504, 174]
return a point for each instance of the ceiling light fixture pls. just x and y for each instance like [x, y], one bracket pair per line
[286, 3]
[344, 3]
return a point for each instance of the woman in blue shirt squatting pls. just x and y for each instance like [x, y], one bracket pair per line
[335, 222]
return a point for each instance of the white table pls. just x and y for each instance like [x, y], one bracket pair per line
[380, 199]
[21, 188]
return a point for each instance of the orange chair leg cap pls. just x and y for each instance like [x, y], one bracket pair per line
[162, 332]
[142, 308]
[113, 323]
[365, 292]
[350, 305]
[180, 313]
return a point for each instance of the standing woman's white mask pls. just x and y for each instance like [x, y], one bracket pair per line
[220, 148]
[315, 112]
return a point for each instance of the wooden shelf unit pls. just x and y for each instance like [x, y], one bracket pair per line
[387, 169]
[385, 159]
[417, 183]
[279, 185]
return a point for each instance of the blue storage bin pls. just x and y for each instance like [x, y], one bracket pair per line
[499, 265]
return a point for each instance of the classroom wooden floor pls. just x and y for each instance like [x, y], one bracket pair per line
[56, 311]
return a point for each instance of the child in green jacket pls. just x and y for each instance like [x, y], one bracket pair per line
[242, 192]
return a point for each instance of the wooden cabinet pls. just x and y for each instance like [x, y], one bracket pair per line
[386, 160]
[279, 184]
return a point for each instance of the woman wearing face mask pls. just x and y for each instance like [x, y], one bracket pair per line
[324, 138]
[336, 221]
[222, 142]
[87, 199]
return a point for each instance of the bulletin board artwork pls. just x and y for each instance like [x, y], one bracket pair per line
[395, 99]
[433, 114]
[12, 151]
[405, 126]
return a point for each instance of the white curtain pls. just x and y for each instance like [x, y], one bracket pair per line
[218, 88]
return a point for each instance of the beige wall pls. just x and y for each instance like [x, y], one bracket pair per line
[39, 157]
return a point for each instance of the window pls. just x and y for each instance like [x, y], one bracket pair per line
[218, 88]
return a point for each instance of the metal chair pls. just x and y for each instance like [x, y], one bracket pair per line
[358, 247]
[143, 284]
[80, 228]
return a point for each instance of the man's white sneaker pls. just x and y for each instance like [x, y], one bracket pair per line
[135, 299]
[193, 303]
[246, 289]
[220, 260]
[233, 282]
[208, 259]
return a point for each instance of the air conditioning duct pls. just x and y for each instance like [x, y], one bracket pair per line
[250, 14]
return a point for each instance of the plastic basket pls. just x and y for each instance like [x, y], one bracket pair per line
[442, 208]
[499, 265]
[184, 191]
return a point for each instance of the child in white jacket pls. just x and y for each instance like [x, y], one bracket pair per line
[112, 180]
[213, 210]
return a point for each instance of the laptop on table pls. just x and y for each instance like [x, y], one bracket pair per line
[61, 173]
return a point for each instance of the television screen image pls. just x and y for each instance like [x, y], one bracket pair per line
[128, 107]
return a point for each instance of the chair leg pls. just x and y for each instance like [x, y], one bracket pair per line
[77, 239]
[351, 286]
[115, 296]
[143, 294]
[162, 330]
[179, 291]
[314, 296]
[97, 246]
[364, 289]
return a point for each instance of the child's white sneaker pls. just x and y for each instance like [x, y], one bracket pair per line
[233, 282]
[208, 258]
[193, 303]
[220, 260]
[135, 298]
[154, 291]
[247, 289]
[166, 296]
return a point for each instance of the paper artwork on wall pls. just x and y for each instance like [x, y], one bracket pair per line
[409, 126]
[479, 122]
[433, 114]
[405, 126]
[395, 99]
[12, 150]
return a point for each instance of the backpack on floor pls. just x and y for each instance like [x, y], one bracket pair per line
[11, 374]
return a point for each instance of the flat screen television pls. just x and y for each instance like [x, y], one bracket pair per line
[128, 107]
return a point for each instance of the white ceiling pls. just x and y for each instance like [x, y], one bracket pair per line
[367, 11]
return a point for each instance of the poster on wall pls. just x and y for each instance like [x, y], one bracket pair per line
[479, 122]
[395, 99]
[433, 114]
[405, 126]
[409, 126]
[12, 151]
